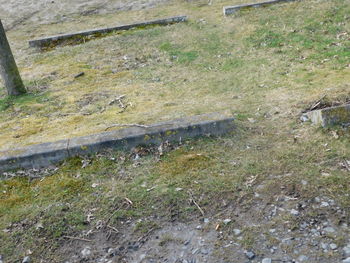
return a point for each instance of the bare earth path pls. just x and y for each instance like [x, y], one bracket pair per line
[54, 11]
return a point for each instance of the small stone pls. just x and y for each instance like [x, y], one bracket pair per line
[204, 251]
[303, 225]
[86, 252]
[324, 204]
[294, 212]
[26, 259]
[303, 182]
[324, 246]
[199, 227]
[304, 118]
[250, 254]
[206, 220]
[227, 221]
[347, 250]
[39, 226]
[266, 260]
[302, 258]
[329, 229]
[333, 246]
[237, 232]
[347, 260]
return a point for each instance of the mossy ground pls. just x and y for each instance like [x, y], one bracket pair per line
[264, 58]
[264, 65]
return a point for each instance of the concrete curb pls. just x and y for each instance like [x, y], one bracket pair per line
[331, 116]
[42, 155]
[229, 10]
[47, 41]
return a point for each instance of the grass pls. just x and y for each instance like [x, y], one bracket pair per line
[236, 63]
[263, 68]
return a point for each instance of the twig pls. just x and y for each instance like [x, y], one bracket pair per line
[127, 125]
[128, 200]
[317, 103]
[113, 228]
[194, 201]
[145, 235]
[346, 164]
[117, 99]
[78, 238]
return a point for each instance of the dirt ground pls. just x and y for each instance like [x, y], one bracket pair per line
[14, 13]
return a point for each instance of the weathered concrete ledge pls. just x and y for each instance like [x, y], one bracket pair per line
[47, 41]
[229, 10]
[42, 155]
[331, 116]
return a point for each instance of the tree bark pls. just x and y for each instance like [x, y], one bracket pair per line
[8, 67]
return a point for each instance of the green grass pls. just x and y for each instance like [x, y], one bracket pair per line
[166, 74]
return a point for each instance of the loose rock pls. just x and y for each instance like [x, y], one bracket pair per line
[86, 252]
[227, 221]
[26, 259]
[333, 246]
[294, 212]
[237, 232]
[250, 254]
[302, 258]
[266, 260]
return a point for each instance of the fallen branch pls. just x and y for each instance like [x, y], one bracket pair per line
[117, 99]
[127, 125]
[195, 203]
[78, 238]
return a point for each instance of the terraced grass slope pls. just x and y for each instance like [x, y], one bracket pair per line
[283, 183]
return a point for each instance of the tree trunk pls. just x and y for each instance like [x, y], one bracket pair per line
[8, 67]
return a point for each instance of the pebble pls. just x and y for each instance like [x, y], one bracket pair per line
[329, 229]
[204, 251]
[237, 232]
[324, 245]
[303, 225]
[333, 246]
[86, 251]
[324, 204]
[227, 221]
[250, 254]
[304, 118]
[294, 212]
[302, 258]
[347, 250]
[26, 260]
[266, 260]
